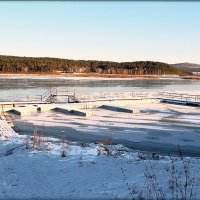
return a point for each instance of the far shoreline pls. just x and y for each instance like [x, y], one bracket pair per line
[98, 76]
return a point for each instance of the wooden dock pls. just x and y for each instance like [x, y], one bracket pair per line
[71, 96]
[165, 97]
[179, 96]
[181, 99]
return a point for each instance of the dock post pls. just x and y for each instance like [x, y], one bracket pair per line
[74, 95]
[56, 95]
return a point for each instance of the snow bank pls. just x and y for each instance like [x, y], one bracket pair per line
[89, 172]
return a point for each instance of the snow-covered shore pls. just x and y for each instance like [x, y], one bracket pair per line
[93, 171]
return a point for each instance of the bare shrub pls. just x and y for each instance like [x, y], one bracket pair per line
[130, 189]
[41, 139]
[27, 143]
[35, 139]
[38, 141]
[41, 146]
[65, 148]
[180, 182]
[81, 160]
[154, 190]
[107, 140]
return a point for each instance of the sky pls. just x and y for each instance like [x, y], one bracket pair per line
[113, 31]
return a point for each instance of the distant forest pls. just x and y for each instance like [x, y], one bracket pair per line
[15, 64]
[189, 67]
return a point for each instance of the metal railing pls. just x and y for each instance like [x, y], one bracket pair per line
[114, 95]
[53, 94]
[179, 96]
[48, 95]
[26, 98]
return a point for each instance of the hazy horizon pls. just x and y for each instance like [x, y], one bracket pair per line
[109, 31]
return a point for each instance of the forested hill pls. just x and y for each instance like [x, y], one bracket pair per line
[189, 67]
[14, 64]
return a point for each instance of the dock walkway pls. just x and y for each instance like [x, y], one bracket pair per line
[71, 96]
[166, 97]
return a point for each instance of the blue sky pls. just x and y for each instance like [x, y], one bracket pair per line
[115, 31]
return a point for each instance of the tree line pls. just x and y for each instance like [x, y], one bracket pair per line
[17, 64]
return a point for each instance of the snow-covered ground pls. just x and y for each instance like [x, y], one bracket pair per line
[91, 172]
